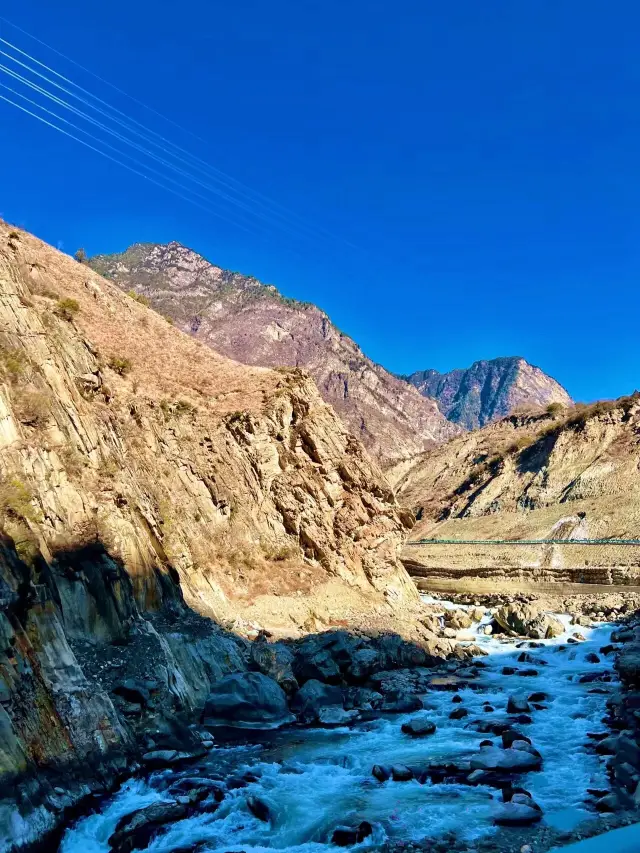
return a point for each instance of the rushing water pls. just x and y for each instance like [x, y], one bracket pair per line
[316, 779]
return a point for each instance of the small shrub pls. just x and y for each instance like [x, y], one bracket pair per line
[81, 256]
[49, 294]
[16, 501]
[184, 407]
[281, 553]
[121, 366]
[519, 444]
[26, 544]
[32, 408]
[13, 364]
[13, 235]
[139, 297]
[72, 460]
[554, 408]
[67, 308]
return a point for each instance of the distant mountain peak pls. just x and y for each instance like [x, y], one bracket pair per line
[489, 389]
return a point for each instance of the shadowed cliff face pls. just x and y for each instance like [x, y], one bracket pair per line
[251, 322]
[489, 390]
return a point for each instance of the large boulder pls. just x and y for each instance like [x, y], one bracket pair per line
[397, 653]
[520, 811]
[326, 657]
[247, 700]
[315, 702]
[399, 702]
[346, 836]
[364, 662]
[494, 758]
[135, 831]
[518, 703]
[459, 620]
[628, 665]
[276, 661]
[528, 620]
[418, 727]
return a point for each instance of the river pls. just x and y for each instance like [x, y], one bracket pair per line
[315, 779]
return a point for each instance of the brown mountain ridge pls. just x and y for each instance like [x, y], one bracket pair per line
[251, 322]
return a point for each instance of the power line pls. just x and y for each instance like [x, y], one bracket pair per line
[97, 77]
[269, 206]
[91, 120]
[151, 154]
[108, 156]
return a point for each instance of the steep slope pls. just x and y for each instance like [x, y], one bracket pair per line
[252, 323]
[489, 390]
[148, 483]
[572, 475]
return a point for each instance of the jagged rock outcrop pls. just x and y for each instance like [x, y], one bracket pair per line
[569, 475]
[151, 486]
[488, 390]
[253, 323]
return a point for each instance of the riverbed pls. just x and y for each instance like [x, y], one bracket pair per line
[313, 780]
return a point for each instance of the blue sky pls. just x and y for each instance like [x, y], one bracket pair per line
[476, 165]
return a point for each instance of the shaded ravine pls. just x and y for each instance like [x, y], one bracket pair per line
[313, 780]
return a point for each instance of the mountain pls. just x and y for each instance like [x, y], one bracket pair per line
[488, 390]
[253, 323]
[159, 503]
[571, 474]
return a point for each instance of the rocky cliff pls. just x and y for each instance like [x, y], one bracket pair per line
[253, 323]
[568, 475]
[489, 390]
[148, 484]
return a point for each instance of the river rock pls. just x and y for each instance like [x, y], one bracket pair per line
[518, 704]
[528, 620]
[623, 635]
[538, 696]
[521, 811]
[345, 836]
[259, 809]
[418, 727]
[608, 803]
[247, 700]
[458, 714]
[318, 665]
[398, 702]
[274, 660]
[136, 830]
[457, 619]
[510, 736]
[401, 773]
[494, 758]
[381, 773]
[361, 699]
[158, 758]
[628, 665]
[364, 662]
[313, 698]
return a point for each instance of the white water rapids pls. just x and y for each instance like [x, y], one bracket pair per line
[316, 779]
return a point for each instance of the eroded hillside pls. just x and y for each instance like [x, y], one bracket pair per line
[253, 323]
[574, 473]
